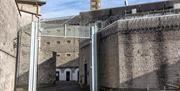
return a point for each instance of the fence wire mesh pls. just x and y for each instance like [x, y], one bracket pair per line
[65, 29]
[22, 76]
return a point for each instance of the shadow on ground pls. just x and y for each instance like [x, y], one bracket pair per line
[64, 86]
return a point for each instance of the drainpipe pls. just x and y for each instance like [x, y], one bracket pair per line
[18, 46]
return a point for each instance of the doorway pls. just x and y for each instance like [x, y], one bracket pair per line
[85, 72]
[78, 76]
[57, 75]
[68, 75]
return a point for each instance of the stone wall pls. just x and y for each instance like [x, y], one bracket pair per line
[27, 18]
[67, 48]
[136, 56]
[85, 59]
[109, 61]
[9, 24]
[148, 58]
[24, 46]
[46, 62]
[24, 51]
[46, 68]
[24, 56]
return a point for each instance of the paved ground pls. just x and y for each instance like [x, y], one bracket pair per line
[64, 86]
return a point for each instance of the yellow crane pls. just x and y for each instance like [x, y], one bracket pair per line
[95, 4]
[126, 2]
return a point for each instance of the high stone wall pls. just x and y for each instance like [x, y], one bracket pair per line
[135, 56]
[84, 59]
[148, 55]
[9, 24]
[67, 48]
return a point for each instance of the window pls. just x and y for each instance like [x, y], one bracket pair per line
[48, 43]
[58, 42]
[68, 55]
[134, 11]
[48, 31]
[68, 41]
[58, 30]
[69, 29]
[177, 6]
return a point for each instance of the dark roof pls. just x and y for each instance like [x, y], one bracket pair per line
[72, 20]
[103, 14]
[176, 1]
[39, 2]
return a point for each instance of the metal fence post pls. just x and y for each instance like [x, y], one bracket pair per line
[33, 58]
[36, 58]
[94, 86]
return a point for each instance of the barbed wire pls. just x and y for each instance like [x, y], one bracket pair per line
[112, 19]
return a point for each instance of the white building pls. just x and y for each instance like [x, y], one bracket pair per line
[67, 74]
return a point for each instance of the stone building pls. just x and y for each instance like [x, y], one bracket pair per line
[14, 17]
[135, 53]
[67, 48]
[9, 25]
[85, 62]
[30, 11]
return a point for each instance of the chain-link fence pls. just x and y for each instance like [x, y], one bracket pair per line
[65, 29]
[23, 58]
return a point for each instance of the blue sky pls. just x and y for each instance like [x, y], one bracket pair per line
[60, 8]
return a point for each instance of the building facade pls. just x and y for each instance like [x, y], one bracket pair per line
[67, 48]
[14, 16]
[66, 58]
[30, 12]
[134, 54]
[9, 25]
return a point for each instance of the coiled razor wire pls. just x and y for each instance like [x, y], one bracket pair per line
[112, 19]
[144, 21]
[148, 23]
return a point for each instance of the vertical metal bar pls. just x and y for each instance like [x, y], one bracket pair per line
[94, 86]
[65, 30]
[18, 46]
[31, 67]
[33, 58]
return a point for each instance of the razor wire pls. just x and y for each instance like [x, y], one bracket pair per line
[148, 23]
[145, 20]
[112, 19]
